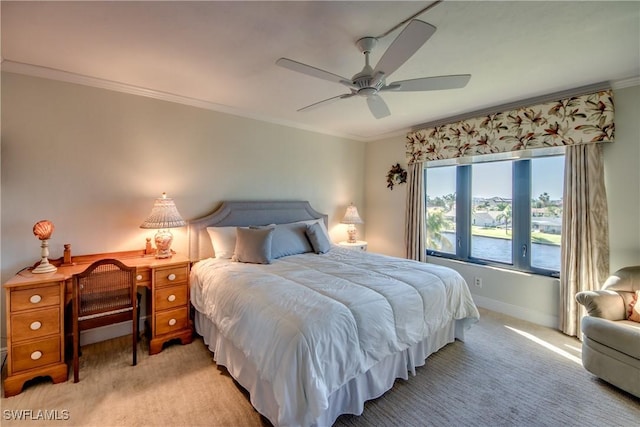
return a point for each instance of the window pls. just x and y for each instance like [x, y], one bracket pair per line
[507, 213]
[491, 211]
[441, 209]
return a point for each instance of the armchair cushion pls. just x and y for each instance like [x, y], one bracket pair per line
[626, 279]
[605, 304]
[624, 336]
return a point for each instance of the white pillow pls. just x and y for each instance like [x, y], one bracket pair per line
[223, 240]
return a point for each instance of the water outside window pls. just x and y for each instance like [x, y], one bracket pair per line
[547, 176]
[491, 214]
[441, 209]
[491, 211]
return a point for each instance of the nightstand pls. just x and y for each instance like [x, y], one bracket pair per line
[359, 245]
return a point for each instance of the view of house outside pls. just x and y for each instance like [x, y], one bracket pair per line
[491, 211]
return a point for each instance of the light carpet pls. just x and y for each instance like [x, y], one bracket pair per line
[507, 373]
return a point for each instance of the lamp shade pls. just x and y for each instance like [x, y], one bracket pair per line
[164, 214]
[351, 216]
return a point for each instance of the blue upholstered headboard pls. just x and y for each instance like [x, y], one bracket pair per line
[244, 214]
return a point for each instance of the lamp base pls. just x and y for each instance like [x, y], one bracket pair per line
[352, 232]
[163, 239]
[44, 266]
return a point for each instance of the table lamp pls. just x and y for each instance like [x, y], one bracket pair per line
[352, 218]
[43, 230]
[164, 215]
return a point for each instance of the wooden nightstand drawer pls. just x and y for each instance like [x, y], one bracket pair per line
[35, 354]
[168, 276]
[171, 320]
[35, 324]
[170, 297]
[27, 299]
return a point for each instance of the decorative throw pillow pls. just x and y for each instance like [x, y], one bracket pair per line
[634, 308]
[290, 239]
[322, 226]
[318, 238]
[223, 240]
[253, 245]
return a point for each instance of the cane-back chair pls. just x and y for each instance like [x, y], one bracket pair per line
[103, 294]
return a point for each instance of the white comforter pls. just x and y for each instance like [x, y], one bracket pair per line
[312, 322]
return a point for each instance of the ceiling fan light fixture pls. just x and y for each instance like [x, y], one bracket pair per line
[367, 91]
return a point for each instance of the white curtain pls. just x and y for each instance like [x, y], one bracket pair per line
[415, 229]
[585, 231]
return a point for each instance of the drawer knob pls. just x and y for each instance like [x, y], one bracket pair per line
[172, 322]
[139, 277]
[171, 298]
[35, 325]
[36, 355]
[35, 299]
[171, 276]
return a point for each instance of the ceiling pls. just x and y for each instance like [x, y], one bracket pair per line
[221, 55]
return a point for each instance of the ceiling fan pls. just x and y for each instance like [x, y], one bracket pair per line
[371, 81]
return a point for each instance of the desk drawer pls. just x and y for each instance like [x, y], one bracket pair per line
[170, 321]
[35, 354]
[27, 299]
[143, 277]
[35, 324]
[169, 276]
[171, 296]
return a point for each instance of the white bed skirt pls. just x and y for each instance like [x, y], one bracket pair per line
[349, 399]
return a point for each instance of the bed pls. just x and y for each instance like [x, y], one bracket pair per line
[310, 329]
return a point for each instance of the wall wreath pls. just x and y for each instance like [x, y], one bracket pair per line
[396, 175]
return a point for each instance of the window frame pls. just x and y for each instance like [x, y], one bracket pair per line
[521, 219]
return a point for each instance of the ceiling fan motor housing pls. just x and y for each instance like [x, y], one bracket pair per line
[366, 83]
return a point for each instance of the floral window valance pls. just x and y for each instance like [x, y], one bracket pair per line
[577, 120]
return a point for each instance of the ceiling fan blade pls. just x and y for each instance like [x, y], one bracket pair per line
[404, 46]
[377, 106]
[429, 83]
[312, 71]
[326, 102]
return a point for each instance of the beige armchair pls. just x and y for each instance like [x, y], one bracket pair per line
[611, 342]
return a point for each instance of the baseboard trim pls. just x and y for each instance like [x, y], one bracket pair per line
[518, 312]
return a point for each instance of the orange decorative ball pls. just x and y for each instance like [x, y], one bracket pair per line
[43, 229]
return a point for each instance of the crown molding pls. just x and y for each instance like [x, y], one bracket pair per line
[625, 83]
[68, 77]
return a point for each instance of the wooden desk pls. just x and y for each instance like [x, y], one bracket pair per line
[35, 313]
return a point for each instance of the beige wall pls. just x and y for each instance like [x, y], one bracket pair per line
[92, 161]
[532, 297]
